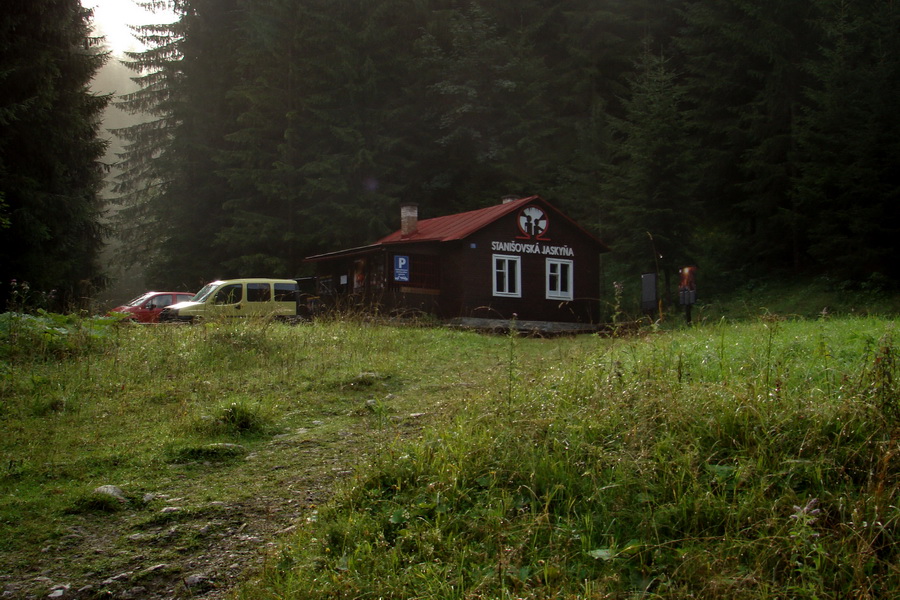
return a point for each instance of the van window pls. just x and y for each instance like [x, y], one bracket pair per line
[204, 293]
[284, 292]
[230, 294]
[259, 292]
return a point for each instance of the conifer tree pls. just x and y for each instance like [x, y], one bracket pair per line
[285, 128]
[50, 149]
[322, 109]
[593, 51]
[848, 185]
[647, 198]
[170, 185]
[488, 110]
[745, 64]
[264, 145]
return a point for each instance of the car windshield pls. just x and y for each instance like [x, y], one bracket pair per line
[139, 300]
[204, 293]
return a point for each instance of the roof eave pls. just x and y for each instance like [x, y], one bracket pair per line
[359, 250]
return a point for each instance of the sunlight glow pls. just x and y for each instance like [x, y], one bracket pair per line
[112, 18]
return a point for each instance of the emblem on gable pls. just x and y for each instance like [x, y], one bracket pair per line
[533, 222]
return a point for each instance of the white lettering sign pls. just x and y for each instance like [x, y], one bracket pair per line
[529, 248]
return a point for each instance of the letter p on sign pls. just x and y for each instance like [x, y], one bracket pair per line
[401, 268]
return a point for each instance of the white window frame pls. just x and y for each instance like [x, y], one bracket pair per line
[564, 272]
[500, 263]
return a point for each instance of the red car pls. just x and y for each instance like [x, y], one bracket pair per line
[146, 308]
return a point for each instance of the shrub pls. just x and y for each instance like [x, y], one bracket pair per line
[45, 335]
[235, 419]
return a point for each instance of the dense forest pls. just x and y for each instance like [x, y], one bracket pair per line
[748, 137]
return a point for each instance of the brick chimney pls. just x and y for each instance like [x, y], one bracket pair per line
[409, 218]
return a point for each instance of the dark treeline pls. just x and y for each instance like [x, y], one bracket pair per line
[748, 137]
[50, 151]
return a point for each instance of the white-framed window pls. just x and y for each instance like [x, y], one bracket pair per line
[559, 279]
[507, 276]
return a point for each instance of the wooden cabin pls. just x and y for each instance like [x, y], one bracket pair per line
[520, 260]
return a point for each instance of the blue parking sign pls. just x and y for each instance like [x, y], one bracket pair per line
[401, 268]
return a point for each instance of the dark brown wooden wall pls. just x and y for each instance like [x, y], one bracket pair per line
[468, 285]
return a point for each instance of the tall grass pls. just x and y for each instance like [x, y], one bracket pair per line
[725, 461]
[754, 460]
[85, 402]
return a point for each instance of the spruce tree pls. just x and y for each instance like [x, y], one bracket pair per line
[321, 105]
[592, 51]
[745, 63]
[265, 147]
[50, 149]
[848, 185]
[170, 186]
[647, 200]
[487, 110]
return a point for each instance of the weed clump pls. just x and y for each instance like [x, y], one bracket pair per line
[234, 419]
[43, 406]
[207, 453]
[97, 502]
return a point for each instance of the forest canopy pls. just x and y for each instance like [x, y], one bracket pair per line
[748, 137]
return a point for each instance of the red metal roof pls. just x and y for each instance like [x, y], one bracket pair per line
[455, 227]
[450, 228]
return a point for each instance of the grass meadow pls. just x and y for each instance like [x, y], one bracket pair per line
[753, 459]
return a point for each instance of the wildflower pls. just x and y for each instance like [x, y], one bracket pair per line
[810, 510]
[804, 517]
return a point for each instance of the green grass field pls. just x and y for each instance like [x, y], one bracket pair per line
[728, 460]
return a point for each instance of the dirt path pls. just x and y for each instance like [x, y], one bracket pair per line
[185, 542]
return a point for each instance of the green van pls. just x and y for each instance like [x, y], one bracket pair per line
[274, 298]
